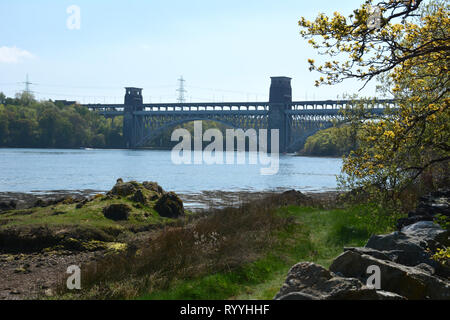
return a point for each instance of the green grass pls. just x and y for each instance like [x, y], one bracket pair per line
[89, 215]
[314, 235]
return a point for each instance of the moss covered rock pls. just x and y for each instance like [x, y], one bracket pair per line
[170, 206]
[117, 212]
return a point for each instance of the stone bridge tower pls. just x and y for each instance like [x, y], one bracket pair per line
[131, 123]
[280, 97]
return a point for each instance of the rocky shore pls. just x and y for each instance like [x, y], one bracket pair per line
[201, 201]
[402, 261]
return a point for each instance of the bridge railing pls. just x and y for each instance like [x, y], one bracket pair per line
[296, 107]
[338, 104]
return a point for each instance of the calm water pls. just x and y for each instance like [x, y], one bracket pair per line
[32, 170]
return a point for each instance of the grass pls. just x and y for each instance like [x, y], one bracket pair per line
[75, 226]
[231, 253]
[314, 235]
[90, 214]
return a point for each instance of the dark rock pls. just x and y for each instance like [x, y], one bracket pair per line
[81, 204]
[117, 212]
[124, 189]
[308, 281]
[403, 248]
[153, 186]
[139, 197]
[7, 206]
[41, 203]
[298, 296]
[294, 197]
[429, 232]
[408, 282]
[169, 206]
[371, 252]
[429, 206]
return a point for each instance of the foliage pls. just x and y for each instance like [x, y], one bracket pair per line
[25, 122]
[409, 53]
[335, 141]
[442, 256]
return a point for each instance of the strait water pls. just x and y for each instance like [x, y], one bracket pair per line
[37, 170]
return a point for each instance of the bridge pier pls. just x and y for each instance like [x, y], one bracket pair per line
[279, 101]
[132, 124]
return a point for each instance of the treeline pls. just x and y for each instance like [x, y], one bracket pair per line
[332, 142]
[27, 123]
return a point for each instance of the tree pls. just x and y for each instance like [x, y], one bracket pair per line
[408, 51]
[2, 98]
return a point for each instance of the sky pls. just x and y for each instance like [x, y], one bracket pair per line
[226, 50]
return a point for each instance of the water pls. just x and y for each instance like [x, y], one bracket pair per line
[36, 170]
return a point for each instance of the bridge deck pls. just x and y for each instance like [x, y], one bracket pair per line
[319, 107]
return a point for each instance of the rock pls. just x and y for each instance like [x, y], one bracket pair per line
[412, 246]
[139, 197]
[385, 295]
[124, 189]
[48, 292]
[309, 281]
[153, 186]
[7, 206]
[372, 252]
[429, 206]
[169, 206]
[293, 197]
[22, 270]
[429, 232]
[402, 222]
[40, 203]
[403, 248]
[412, 283]
[298, 296]
[81, 204]
[117, 212]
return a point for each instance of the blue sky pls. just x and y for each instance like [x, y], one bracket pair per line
[226, 50]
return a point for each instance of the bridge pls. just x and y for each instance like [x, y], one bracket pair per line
[295, 120]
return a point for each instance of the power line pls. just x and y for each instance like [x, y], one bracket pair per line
[181, 90]
[27, 84]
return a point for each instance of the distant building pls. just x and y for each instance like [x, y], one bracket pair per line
[66, 102]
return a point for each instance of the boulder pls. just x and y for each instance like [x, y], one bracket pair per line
[169, 206]
[40, 203]
[153, 186]
[412, 246]
[139, 197]
[409, 282]
[294, 197]
[429, 232]
[429, 206]
[124, 189]
[117, 212]
[309, 281]
[402, 248]
[6, 206]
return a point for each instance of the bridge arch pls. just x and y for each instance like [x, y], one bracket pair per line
[149, 136]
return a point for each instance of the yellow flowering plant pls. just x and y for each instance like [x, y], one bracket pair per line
[409, 53]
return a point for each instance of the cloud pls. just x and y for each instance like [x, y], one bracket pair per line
[14, 55]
